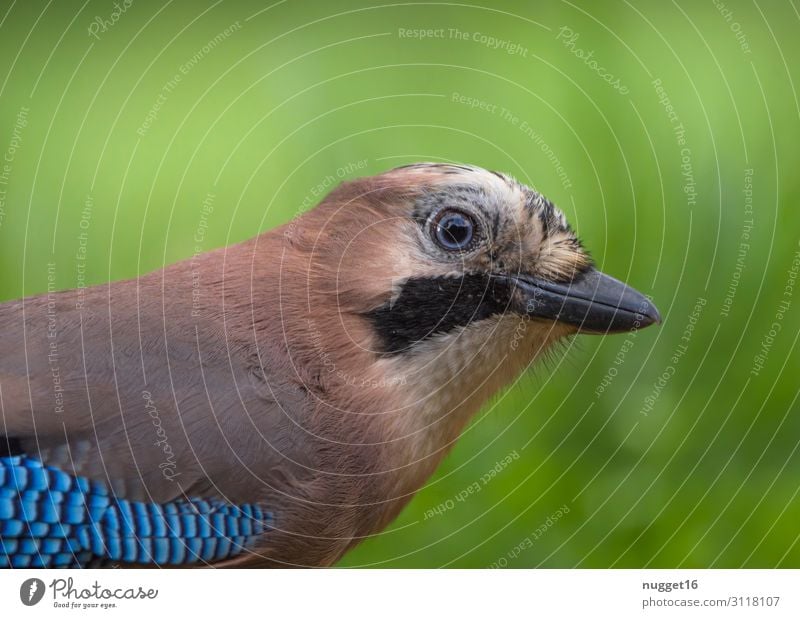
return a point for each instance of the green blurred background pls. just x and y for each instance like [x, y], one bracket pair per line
[600, 464]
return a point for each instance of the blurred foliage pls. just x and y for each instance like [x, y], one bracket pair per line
[297, 91]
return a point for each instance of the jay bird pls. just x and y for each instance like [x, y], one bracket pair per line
[274, 402]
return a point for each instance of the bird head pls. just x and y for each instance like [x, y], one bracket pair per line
[447, 280]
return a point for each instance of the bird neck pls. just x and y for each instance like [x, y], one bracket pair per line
[446, 380]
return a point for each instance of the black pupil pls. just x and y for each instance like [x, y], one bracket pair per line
[454, 231]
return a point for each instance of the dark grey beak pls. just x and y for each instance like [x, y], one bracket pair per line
[593, 302]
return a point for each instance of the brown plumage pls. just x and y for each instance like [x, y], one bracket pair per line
[321, 369]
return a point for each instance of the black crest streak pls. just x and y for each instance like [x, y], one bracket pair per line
[546, 212]
[427, 307]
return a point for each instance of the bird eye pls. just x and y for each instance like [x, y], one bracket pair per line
[453, 230]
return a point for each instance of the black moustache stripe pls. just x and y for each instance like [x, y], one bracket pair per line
[429, 307]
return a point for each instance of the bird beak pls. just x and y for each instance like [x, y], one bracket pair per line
[593, 301]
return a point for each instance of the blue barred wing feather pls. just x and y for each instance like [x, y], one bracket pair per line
[50, 518]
